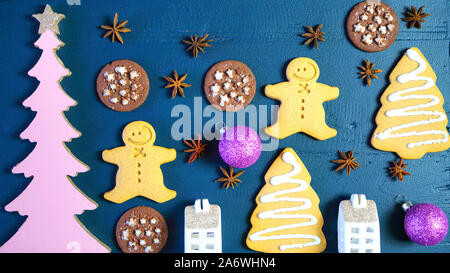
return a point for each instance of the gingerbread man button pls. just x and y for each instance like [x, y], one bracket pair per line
[139, 164]
[302, 98]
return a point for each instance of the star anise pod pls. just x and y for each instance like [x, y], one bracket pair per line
[196, 44]
[229, 179]
[115, 30]
[347, 161]
[414, 17]
[197, 148]
[176, 83]
[398, 170]
[368, 72]
[314, 35]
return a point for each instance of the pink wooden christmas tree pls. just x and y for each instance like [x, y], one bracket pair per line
[51, 201]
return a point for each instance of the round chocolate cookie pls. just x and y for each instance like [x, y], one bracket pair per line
[123, 85]
[230, 85]
[372, 26]
[141, 230]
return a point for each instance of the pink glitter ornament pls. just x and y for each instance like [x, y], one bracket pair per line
[240, 147]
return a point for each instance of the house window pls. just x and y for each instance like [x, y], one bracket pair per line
[195, 247]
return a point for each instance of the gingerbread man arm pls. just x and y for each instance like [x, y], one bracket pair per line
[113, 155]
[165, 155]
[278, 90]
[329, 92]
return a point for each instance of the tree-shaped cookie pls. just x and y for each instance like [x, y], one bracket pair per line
[139, 164]
[287, 218]
[301, 97]
[51, 201]
[411, 120]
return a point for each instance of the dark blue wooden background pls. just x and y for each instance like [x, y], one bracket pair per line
[264, 34]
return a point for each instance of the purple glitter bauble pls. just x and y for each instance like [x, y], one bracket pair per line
[240, 146]
[426, 224]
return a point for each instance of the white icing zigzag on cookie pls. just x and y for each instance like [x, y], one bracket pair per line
[409, 110]
[278, 213]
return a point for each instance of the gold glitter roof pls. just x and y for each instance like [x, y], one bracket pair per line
[359, 215]
[202, 220]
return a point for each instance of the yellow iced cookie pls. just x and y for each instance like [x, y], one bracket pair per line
[301, 108]
[139, 164]
[287, 218]
[411, 120]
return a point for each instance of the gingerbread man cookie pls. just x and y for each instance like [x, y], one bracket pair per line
[301, 108]
[139, 163]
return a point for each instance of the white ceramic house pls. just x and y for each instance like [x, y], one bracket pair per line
[202, 228]
[358, 226]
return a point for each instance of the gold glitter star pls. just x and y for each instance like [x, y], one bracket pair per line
[49, 20]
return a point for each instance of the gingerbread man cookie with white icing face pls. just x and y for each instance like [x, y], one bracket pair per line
[301, 97]
[139, 163]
